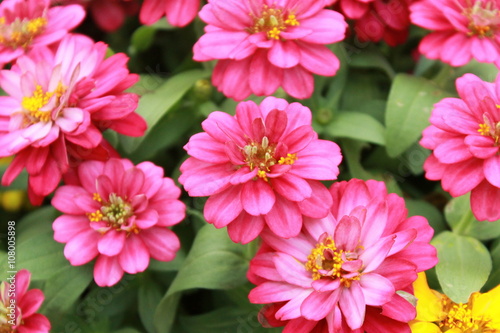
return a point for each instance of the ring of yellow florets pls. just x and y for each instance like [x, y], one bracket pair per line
[489, 128]
[273, 21]
[261, 156]
[20, 33]
[459, 316]
[484, 19]
[115, 212]
[33, 104]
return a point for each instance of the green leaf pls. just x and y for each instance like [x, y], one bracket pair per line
[66, 286]
[462, 221]
[356, 125]
[214, 262]
[409, 107]
[142, 38]
[494, 279]
[464, 265]
[156, 103]
[372, 58]
[430, 212]
[150, 295]
[351, 150]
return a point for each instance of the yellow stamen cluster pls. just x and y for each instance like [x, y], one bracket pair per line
[325, 257]
[459, 317]
[96, 197]
[273, 21]
[115, 212]
[490, 128]
[20, 33]
[95, 216]
[289, 159]
[484, 129]
[34, 103]
[484, 19]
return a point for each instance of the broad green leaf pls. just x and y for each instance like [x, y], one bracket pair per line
[150, 295]
[430, 212]
[127, 330]
[372, 58]
[494, 279]
[464, 265]
[214, 262]
[351, 151]
[66, 286]
[462, 221]
[142, 38]
[159, 100]
[409, 107]
[356, 125]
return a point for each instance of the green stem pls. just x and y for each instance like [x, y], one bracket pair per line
[464, 224]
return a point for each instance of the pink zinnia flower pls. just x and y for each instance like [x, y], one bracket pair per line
[378, 20]
[462, 30]
[58, 104]
[18, 306]
[118, 213]
[260, 167]
[262, 45]
[178, 12]
[465, 139]
[109, 15]
[25, 24]
[342, 273]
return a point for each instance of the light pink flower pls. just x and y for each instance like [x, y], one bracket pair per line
[461, 30]
[342, 272]
[178, 12]
[465, 137]
[58, 104]
[109, 15]
[377, 20]
[18, 306]
[263, 44]
[25, 24]
[260, 167]
[119, 214]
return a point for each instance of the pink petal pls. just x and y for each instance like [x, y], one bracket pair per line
[452, 151]
[31, 302]
[222, 208]
[65, 197]
[203, 147]
[317, 227]
[147, 219]
[284, 54]
[67, 227]
[291, 309]
[299, 138]
[36, 323]
[111, 243]
[257, 197]
[292, 271]
[202, 179]
[319, 59]
[82, 248]
[134, 257]
[353, 306]
[162, 243]
[400, 272]
[284, 219]
[298, 82]
[319, 161]
[377, 290]
[462, 177]
[107, 271]
[484, 199]
[276, 122]
[319, 304]
[270, 292]
[492, 170]
[399, 309]
[223, 127]
[347, 233]
[292, 187]
[264, 78]
[373, 256]
[245, 228]
[318, 204]
[326, 284]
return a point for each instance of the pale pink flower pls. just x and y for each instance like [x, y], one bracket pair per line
[25, 24]
[263, 44]
[118, 213]
[342, 273]
[461, 30]
[178, 12]
[465, 138]
[109, 15]
[18, 306]
[58, 104]
[377, 20]
[260, 167]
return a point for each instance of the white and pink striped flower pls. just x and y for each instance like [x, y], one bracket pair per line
[118, 213]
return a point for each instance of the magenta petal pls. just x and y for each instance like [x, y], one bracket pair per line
[317, 227]
[347, 233]
[284, 54]
[222, 208]
[374, 255]
[146, 219]
[162, 243]
[202, 179]
[203, 147]
[223, 127]
[269, 292]
[257, 197]
[134, 257]
[245, 228]
[23, 278]
[291, 309]
[484, 202]
[82, 248]
[292, 187]
[132, 181]
[107, 271]
[111, 243]
[319, 304]
[66, 227]
[377, 290]
[292, 271]
[318, 161]
[276, 122]
[243, 175]
[352, 304]
[34, 324]
[64, 199]
[399, 309]
[326, 284]
[462, 177]
[492, 170]
[299, 138]
[319, 203]
[31, 302]
[284, 219]
[399, 271]
[298, 82]
[298, 247]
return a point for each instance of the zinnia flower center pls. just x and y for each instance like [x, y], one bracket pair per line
[484, 19]
[459, 316]
[326, 260]
[273, 21]
[489, 128]
[20, 33]
[5, 326]
[262, 156]
[115, 212]
[34, 105]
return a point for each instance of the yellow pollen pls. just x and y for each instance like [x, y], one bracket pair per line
[483, 19]
[292, 20]
[317, 261]
[262, 174]
[34, 103]
[274, 33]
[459, 316]
[484, 129]
[96, 197]
[289, 159]
[273, 21]
[20, 33]
[95, 216]
[36, 26]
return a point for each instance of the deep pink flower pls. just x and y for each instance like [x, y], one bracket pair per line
[465, 137]
[263, 44]
[18, 306]
[58, 104]
[260, 167]
[342, 272]
[377, 20]
[461, 29]
[25, 24]
[109, 15]
[178, 12]
[119, 214]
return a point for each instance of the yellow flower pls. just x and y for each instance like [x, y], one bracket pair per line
[437, 313]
